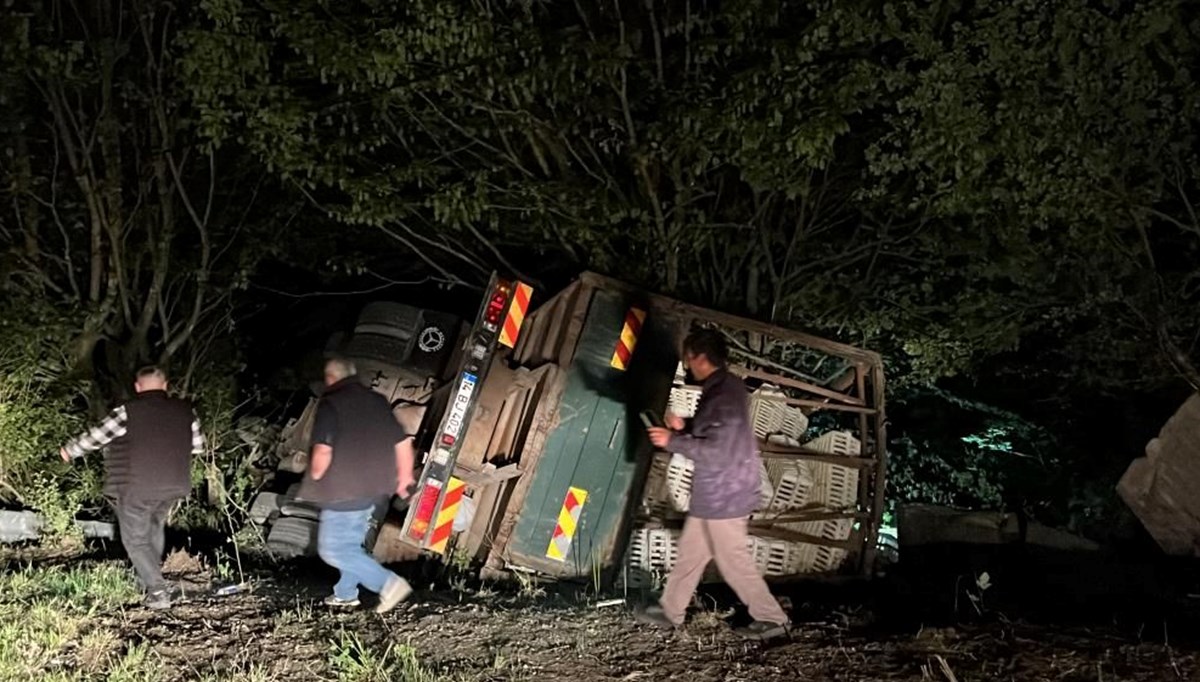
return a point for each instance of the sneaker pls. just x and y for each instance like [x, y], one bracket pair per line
[763, 631]
[337, 602]
[653, 615]
[394, 591]
[158, 600]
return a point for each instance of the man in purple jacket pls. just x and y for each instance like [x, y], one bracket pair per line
[725, 490]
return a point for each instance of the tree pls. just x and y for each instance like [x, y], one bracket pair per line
[1054, 148]
[116, 209]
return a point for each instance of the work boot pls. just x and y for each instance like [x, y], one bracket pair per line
[394, 591]
[653, 615]
[158, 600]
[334, 601]
[763, 631]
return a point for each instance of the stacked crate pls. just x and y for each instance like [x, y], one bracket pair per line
[801, 484]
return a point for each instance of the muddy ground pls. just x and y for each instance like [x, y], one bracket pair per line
[460, 629]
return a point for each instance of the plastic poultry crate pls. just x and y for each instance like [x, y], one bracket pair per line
[655, 550]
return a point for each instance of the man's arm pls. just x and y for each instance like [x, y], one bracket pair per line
[324, 430]
[708, 435]
[404, 467]
[113, 427]
[322, 457]
[197, 436]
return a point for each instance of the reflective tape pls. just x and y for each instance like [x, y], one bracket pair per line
[568, 520]
[444, 526]
[629, 338]
[511, 329]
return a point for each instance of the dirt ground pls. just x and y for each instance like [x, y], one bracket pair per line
[460, 631]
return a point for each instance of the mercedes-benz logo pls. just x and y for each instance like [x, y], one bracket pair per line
[431, 340]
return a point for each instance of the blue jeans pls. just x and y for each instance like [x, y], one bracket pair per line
[340, 544]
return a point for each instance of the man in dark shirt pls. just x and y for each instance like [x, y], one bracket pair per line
[725, 490]
[361, 456]
[149, 442]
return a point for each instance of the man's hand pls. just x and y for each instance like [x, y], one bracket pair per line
[404, 488]
[62, 452]
[674, 421]
[659, 436]
[404, 467]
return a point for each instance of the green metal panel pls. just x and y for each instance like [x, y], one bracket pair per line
[598, 443]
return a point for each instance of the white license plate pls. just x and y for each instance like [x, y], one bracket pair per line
[458, 409]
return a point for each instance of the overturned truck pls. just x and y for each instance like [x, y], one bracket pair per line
[535, 458]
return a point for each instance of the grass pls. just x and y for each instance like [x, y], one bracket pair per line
[355, 661]
[529, 587]
[46, 629]
[73, 624]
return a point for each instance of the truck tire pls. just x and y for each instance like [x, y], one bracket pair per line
[386, 349]
[394, 320]
[300, 510]
[292, 536]
[263, 506]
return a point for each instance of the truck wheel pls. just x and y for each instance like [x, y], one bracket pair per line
[301, 510]
[292, 536]
[263, 506]
[388, 319]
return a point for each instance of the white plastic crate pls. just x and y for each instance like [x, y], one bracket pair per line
[654, 493]
[835, 443]
[683, 401]
[791, 483]
[766, 416]
[820, 558]
[773, 557]
[668, 488]
[795, 422]
[834, 486]
[655, 550]
[775, 417]
[831, 487]
[766, 489]
[668, 491]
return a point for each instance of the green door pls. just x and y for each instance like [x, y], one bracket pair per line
[598, 444]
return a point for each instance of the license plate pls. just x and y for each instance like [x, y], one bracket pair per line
[458, 409]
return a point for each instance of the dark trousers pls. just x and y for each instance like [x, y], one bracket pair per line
[142, 526]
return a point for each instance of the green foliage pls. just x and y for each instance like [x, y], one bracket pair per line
[35, 420]
[225, 476]
[911, 176]
[44, 613]
[355, 661]
[973, 455]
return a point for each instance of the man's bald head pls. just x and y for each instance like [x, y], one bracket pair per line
[150, 379]
[337, 369]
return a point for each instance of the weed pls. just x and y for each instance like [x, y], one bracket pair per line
[224, 569]
[983, 581]
[354, 661]
[710, 615]
[138, 664]
[95, 650]
[460, 560]
[530, 589]
[597, 572]
[43, 611]
[250, 672]
[302, 613]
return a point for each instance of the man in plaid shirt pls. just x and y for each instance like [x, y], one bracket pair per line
[149, 442]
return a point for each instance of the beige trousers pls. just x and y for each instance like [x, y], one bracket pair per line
[722, 540]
